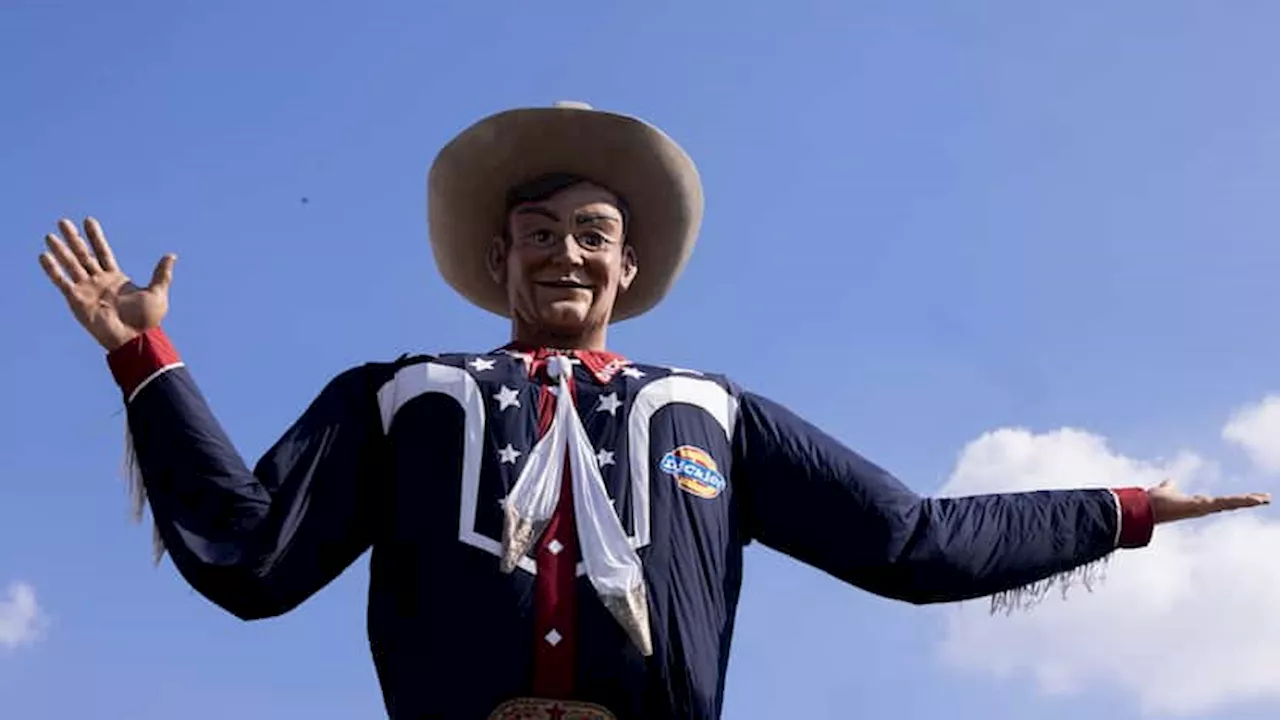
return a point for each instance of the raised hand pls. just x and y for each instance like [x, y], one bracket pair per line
[1169, 504]
[100, 295]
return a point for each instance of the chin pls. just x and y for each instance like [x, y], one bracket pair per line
[567, 318]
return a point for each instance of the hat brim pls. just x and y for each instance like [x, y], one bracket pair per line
[468, 183]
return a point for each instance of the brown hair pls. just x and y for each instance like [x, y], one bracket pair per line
[543, 187]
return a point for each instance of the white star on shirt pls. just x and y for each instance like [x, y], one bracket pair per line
[508, 454]
[633, 373]
[604, 457]
[507, 397]
[481, 364]
[610, 404]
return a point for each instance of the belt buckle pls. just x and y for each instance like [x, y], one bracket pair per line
[528, 708]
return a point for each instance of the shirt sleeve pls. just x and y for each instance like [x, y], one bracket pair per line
[810, 497]
[257, 543]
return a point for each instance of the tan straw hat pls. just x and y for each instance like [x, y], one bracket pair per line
[469, 180]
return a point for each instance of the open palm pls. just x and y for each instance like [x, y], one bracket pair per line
[1169, 504]
[110, 306]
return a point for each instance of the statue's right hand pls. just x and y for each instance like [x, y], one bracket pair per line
[100, 295]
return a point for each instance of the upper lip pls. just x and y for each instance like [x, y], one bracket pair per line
[565, 282]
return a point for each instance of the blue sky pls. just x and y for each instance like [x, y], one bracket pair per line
[926, 222]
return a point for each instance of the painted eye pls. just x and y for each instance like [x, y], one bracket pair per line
[539, 237]
[591, 239]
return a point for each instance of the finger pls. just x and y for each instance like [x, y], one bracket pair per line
[68, 261]
[1238, 502]
[100, 247]
[1230, 502]
[162, 278]
[76, 243]
[55, 273]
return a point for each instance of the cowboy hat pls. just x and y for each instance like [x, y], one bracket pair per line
[468, 183]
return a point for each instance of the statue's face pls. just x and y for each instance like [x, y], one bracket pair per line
[564, 262]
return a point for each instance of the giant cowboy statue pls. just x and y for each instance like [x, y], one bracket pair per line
[588, 511]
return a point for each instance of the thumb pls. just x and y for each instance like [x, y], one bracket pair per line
[163, 275]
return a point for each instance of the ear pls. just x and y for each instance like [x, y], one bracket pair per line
[496, 260]
[629, 267]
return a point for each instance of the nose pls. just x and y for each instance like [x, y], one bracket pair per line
[568, 250]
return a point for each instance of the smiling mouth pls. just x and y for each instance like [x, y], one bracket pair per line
[565, 284]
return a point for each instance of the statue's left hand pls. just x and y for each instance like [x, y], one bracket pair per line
[1169, 504]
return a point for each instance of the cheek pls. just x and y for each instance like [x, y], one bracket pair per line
[605, 274]
[519, 270]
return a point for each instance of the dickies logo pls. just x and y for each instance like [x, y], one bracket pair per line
[694, 470]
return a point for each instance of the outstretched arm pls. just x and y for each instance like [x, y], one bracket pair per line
[814, 499]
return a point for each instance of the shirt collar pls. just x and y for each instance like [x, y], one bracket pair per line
[602, 364]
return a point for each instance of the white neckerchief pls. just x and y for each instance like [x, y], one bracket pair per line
[612, 563]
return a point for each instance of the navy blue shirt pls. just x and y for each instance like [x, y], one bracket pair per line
[412, 459]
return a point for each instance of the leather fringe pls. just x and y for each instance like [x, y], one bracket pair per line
[1027, 597]
[138, 494]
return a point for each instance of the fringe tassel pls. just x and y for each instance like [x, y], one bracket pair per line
[1029, 596]
[157, 545]
[138, 494]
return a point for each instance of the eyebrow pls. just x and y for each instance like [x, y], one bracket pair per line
[537, 210]
[582, 217]
[588, 217]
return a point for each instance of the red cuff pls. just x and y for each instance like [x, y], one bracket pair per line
[1136, 519]
[140, 359]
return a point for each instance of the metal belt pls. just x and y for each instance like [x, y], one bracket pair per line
[541, 709]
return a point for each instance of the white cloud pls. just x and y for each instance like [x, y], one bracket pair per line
[1016, 459]
[1256, 428]
[1186, 625]
[22, 622]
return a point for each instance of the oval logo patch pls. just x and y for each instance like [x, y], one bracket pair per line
[694, 470]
